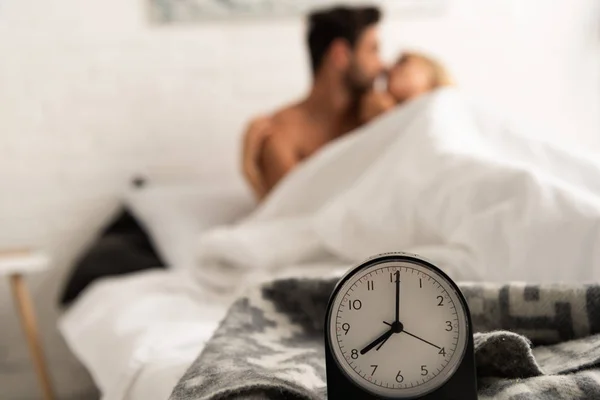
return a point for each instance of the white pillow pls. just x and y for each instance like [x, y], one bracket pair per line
[175, 215]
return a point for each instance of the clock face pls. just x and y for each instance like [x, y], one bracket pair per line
[397, 327]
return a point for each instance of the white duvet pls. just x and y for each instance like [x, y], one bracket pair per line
[438, 177]
[441, 178]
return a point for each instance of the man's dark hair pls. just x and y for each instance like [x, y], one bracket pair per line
[325, 26]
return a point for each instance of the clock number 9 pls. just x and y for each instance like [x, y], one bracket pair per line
[346, 328]
[399, 377]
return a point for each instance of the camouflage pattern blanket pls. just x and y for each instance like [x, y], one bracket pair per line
[531, 342]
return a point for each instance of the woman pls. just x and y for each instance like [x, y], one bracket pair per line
[413, 74]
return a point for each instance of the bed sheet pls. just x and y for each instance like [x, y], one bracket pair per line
[138, 334]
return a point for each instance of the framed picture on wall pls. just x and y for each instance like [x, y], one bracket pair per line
[192, 11]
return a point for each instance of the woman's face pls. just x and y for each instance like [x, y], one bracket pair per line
[409, 79]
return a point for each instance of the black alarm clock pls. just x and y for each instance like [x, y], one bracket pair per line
[397, 327]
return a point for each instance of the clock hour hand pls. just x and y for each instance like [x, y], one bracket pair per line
[381, 339]
[382, 343]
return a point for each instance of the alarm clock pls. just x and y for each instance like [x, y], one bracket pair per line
[397, 327]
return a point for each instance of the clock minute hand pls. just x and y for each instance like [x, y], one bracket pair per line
[380, 339]
[397, 296]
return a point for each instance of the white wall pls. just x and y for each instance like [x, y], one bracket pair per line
[90, 94]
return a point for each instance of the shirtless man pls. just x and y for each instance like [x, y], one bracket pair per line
[344, 52]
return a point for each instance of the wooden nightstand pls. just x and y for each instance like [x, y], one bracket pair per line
[15, 264]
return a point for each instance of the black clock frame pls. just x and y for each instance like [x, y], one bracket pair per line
[462, 385]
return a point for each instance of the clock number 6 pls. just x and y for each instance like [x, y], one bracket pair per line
[399, 377]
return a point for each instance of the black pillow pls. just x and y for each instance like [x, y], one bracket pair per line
[122, 248]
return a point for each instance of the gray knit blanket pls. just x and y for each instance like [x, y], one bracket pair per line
[531, 342]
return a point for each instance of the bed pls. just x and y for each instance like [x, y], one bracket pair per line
[439, 177]
[136, 271]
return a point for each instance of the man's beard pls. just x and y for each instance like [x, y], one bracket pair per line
[356, 81]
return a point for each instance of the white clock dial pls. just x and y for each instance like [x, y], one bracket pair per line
[404, 357]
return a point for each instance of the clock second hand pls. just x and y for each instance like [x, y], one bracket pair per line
[422, 340]
[416, 337]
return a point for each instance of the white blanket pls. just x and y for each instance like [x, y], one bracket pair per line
[439, 177]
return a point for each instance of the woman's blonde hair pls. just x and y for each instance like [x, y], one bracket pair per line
[439, 73]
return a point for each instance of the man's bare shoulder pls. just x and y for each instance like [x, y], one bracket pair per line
[280, 151]
[290, 117]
